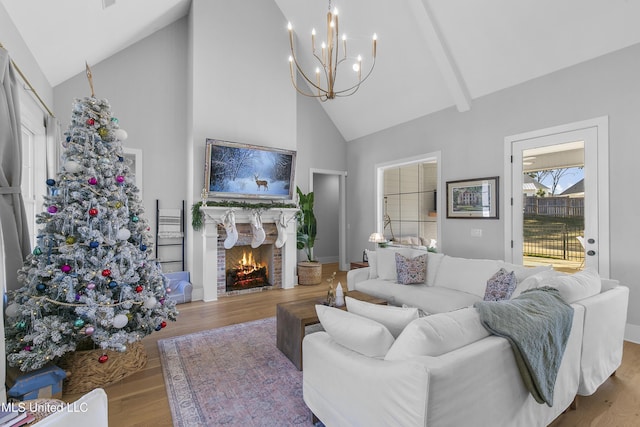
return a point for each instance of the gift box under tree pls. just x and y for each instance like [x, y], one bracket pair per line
[42, 383]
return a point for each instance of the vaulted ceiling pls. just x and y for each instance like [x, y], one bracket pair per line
[431, 54]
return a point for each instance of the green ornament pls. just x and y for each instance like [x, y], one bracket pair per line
[71, 240]
[135, 218]
[79, 323]
[21, 325]
[103, 132]
[37, 251]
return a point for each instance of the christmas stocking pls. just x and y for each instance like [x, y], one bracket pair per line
[258, 231]
[229, 222]
[282, 231]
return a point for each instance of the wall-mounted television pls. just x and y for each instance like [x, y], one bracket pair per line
[237, 170]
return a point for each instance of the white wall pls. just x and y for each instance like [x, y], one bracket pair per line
[472, 145]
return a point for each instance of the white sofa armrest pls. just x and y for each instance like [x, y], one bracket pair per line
[345, 388]
[90, 410]
[356, 275]
[604, 324]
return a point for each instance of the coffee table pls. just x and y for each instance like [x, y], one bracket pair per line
[294, 316]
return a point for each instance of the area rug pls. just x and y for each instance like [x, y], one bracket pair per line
[232, 376]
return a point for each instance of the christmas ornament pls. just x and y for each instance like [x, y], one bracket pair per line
[135, 218]
[91, 286]
[11, 310]
[163, 324]
[168, 290]
[120, 179]
[79, 323]
[70, 240]
[27, 348]
[103, 132]
[139, 289]
[103, 358]
[121, 134]
[65, 268]
[41, 287]
[143, 247]
[113, 284]
[93, 244]
[91, 122]
[93, 211]
[37, 251]
[120, 321]
[72, 166]
[118, 205]
[120, 159]
[93, 180]
[21, 325]
[51, 182]
[114, 120]
[106, 272]
[89, 330]
[52, 209]
[149, 303]
[123, 234]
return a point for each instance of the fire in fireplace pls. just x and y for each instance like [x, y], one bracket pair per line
[246, 268]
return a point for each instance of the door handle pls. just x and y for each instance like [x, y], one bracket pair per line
[591, 241]
[591, 253]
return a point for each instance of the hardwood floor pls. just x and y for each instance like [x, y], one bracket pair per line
[141, 399]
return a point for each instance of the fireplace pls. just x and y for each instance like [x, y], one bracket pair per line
[247, 267]
[281, 262]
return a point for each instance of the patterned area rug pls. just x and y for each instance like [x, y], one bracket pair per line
[232, 376]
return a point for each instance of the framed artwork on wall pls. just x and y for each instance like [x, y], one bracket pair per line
[473, 198]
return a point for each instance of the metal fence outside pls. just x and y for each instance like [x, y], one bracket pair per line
[558, 241]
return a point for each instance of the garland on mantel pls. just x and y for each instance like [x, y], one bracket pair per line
[197, 216]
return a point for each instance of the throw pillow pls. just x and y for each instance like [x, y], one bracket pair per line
[500, 286]
[411, 270]
[438, 334]
[354, 332]
[523, 272]
[393, 318]
[535, 281]
[574, 287]
[466, 275]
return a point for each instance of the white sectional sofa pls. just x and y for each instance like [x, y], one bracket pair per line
[464, 376]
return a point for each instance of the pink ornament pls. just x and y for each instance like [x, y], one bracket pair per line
[93, 180]
[27, 348]
[65, 268]
[52, 209]
[91, 286]
[168, 290]
[120, 179]
[89, 330]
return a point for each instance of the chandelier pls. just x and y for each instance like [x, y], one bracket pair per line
[329, 58]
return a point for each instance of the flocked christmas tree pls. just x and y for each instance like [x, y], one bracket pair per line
[91, 281]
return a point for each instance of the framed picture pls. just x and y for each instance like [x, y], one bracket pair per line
[237, 170]
[473, 198]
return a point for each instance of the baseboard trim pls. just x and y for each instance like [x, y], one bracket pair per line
[632, 333]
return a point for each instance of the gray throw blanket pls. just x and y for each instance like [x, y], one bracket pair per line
[537, 324]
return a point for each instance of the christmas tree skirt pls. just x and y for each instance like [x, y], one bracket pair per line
[85, 371]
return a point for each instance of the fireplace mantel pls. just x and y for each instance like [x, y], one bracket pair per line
[213, 216]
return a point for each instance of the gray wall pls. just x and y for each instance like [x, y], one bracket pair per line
[472, 145]
[326, 209]
[146, 87]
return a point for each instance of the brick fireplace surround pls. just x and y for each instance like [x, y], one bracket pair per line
[212, 237]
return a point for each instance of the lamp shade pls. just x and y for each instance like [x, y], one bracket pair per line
[377, 238]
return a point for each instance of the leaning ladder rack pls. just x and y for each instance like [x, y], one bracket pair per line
[168, 242]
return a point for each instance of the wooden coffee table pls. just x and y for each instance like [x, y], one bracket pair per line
[293, 317]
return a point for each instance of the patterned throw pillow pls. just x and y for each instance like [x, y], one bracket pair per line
[500, 286]
[411, 270]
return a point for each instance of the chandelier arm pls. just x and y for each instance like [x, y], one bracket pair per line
[356, 86]
[299, 68]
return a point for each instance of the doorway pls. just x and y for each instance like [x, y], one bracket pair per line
[329, 188]
[549, 222]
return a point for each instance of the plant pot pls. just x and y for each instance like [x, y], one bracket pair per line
[309, 273]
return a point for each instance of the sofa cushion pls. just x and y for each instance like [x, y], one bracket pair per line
[393, 318]
[372, 258]
[574, 287]
[386, 261]
[523, 272]
[354, 332]
[438, 334]
[411, 270]
[466, 275]
[534, 281]
[500, 286]
[433, 262]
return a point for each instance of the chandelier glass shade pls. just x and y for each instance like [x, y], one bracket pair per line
[328, 59]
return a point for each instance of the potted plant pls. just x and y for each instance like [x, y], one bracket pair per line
[309, 271]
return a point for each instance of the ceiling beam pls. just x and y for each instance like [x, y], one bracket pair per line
[433, 36]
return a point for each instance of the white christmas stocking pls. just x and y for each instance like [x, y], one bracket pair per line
[282, 231]
[229, 222]
[258, 231]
